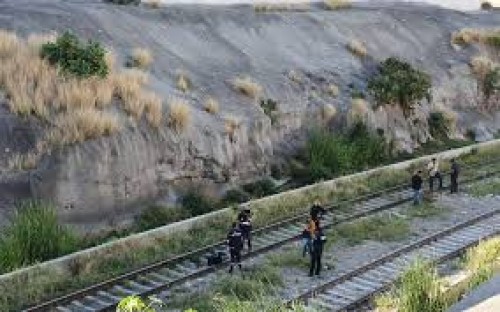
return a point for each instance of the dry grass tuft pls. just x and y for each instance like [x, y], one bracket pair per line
[183, 82]
[26, 161]
[328, 112]
[154, 108]
[333, 90]
[110, 59]
[337, 4]
[179, 114]
[357, 48]
[294, 76]
[359, 110]
[35, 41]
[247, 86]
[211, 106]
[9, 44]
[481, 65]
[82, 124]
[141, 58]
[154, 4]
[231, 124]
[281, 6]
[474, 35]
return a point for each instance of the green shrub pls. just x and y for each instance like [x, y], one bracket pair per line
[198, 204]
[491, 83]
[235, 196]
[328, 155]
[420, 290]
[33, 236]
[439, 126]
[76, 58]
[156, 216]
[260, 188]
[270, 108]
[494, 40]
[399, 83]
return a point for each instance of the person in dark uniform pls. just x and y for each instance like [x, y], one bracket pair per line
[235, 244]
[245, 222]
[455, 170]
[317, 252]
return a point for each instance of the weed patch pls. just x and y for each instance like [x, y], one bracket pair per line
[328, 155]
[425, 210]
[382, 228]
[33, 236]
[483, 188]
[291, 257]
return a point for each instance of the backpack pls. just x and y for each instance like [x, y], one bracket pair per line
[215, 259]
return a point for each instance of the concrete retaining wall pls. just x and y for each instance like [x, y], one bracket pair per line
[63, 264]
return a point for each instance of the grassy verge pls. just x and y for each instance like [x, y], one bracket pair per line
[421, 289]
[426, 210]
[258, 286]
[382, 228]
[485, 188]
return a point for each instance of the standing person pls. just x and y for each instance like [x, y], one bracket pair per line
[455, 170]
[235, 244]
[245, 220]
[434, 173]
[416, 185]
[317, 252]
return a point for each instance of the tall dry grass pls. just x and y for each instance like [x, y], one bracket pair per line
[211, 106]
[474, 35]
[357, 48]
[337, 4]
[142, 58]
[179, 114]
[183, 82]
[74, 109]
[481, 65]
[247, 86]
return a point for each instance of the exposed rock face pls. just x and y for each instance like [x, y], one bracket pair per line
[99, 182]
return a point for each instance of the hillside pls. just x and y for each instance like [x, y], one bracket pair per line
[294, 57]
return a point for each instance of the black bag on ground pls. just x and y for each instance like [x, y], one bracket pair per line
[215, 259]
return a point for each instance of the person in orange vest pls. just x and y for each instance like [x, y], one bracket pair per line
[307, 236]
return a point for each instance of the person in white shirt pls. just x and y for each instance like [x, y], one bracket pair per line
[434, 173]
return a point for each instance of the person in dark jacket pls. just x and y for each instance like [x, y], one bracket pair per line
[235, 244]
[245, 222]
[317, 252]
[455, 170]
[416, 185]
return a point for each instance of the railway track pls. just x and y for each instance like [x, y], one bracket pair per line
[163, 275]
[349, 292]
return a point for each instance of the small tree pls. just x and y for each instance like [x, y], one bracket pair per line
[76, 58]
[398, 83]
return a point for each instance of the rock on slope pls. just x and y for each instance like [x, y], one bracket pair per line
[99, 182]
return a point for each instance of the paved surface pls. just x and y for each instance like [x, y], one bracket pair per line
[485, 298]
